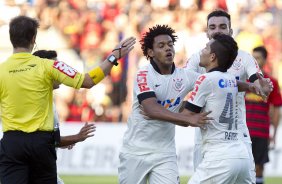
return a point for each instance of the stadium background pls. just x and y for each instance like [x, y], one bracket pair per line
[83, 32]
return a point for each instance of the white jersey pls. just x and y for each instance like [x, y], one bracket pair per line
[145, 136]
[244, 67]
[217, 92]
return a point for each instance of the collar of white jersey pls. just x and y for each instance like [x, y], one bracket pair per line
[155, 66]
[217, 69]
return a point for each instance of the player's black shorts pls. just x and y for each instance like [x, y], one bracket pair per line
[28, 158]
[260, 150]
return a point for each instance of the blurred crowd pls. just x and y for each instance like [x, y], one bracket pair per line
[92, 27]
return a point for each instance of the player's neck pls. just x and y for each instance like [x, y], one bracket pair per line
[21, 49]
[210, 67]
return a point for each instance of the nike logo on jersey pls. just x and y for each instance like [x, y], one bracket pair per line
[32, 65]
[157, 85]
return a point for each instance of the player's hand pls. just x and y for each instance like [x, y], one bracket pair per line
[256, 90]
[272, 143]
[199, 119]
[68, 147]
[266, 86]
[86, 131]
[124, 47]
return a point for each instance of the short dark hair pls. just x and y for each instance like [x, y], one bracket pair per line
[147, 39]
[225, 49]
[48, 54]
[262, 50]
[22, 30]
[219, 13]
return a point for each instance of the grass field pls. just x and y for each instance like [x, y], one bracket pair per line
[113, 180]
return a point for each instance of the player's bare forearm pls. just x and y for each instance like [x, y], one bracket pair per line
[153, 110]
[275, 117]
[68, 140]
[150, 109]
[85, 132]
[243, 86]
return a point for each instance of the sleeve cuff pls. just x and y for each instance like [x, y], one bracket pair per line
[253, 78]
[193, 108]
[145, 95]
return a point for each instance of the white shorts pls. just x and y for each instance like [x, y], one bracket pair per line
[197, 155]
[154, 168]
[231, 171]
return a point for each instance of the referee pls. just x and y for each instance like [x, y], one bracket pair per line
[27, 150]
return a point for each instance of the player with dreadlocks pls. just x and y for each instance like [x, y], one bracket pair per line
[148, 152]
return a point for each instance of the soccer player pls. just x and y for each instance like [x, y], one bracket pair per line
[244, 67]
[27, 150]
[259, 116]
[225, 156]
[148, 151]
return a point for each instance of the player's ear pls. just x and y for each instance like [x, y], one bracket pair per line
[231, 31]
[213, 56]
[150, 52]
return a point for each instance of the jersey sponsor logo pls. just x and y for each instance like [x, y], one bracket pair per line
[19, 70]
[231, 136]
[178, 85]
[157, 85]
[64, 68]
[142, 81]
[170, 102]
[225, 83]
[196, 87]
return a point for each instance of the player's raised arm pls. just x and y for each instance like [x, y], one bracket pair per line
[95, 75]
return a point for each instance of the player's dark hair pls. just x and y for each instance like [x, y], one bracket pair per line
[219, 13]
[262, 50]
[48, 54]
[225, 49]
[22, 30]
[147, 39]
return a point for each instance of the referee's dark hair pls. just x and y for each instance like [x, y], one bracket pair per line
[22, 30]
[147, 39]
[225, 49]
[48, 54]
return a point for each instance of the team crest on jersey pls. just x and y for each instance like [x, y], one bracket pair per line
[237, 64]
[64, 68]
[178, 84]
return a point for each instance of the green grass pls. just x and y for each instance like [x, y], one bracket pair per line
[70, 179]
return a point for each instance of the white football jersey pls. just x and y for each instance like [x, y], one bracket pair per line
[217, 92]
[244, 67]
[145, 136]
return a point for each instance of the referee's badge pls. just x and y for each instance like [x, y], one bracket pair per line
[178, 84]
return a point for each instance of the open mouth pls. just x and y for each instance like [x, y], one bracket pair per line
[169, 55]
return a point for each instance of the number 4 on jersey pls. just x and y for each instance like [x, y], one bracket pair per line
[227, 113]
